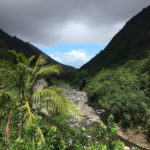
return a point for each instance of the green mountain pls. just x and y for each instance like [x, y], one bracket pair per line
[132, 42]
[118, 78]
[8, 42]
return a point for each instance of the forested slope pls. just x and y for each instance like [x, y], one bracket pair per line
[118, 78]
[132, 42]
[8, 43]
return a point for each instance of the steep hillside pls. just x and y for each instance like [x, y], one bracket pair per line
[132, 42]
[118, 78]
[8, 42]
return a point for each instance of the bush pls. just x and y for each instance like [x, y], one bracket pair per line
[123, 93]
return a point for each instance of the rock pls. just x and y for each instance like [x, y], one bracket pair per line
[78, 98]
[126, 148]
[40, 85]
[88, 122]
[89, 137]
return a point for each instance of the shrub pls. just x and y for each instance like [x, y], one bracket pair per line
[123, 93]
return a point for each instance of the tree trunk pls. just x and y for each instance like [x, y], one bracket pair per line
[8, 127]
[20, 130]
[21, 125]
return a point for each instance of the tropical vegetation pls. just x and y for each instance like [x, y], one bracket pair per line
[21, 102]
[36, 119]
[122, 90]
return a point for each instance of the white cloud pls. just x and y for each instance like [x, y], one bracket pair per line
[74, 58]
[55, 57]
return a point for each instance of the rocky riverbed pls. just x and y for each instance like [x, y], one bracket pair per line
[80, 98]
[91, 117]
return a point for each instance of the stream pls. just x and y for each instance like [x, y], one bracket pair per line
[91, 117]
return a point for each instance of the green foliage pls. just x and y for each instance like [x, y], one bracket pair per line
[97, 146]
[106, 134]
[16, 119]
[62, 136]
[18, 94]
[81, 78]
[78, 78]
[134, 148]
[27, 129]
[124, 92]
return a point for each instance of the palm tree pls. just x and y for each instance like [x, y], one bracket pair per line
[17, 84]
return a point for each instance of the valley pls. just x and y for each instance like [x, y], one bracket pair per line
[104, 105]
[91, 116]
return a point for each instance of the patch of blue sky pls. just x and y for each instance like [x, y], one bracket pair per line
[73, 54]
[91, 49]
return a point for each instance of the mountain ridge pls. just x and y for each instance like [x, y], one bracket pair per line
[8, 42]
[131, 42]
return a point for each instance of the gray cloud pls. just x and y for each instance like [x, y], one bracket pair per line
[48, 22]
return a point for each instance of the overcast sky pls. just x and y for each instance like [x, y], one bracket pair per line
[60, 27]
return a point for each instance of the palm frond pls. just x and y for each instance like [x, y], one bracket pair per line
[7, 78]
[49, 70]
[6, 97]
[20, 57]
[40, 61]
[7, 65]
[13, 52]
[24, 67]
[72, 110]
[40, 136]
[28, 115]
[49, 99]
[30, 60]
[21, 81]
[55, 101]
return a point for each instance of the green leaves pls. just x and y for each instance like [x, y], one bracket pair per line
[48, 99]
[104, 136]
[21, 58]
[31, 125]
[17, 84]
[28, 114]
[40, 61]
[54, 101]
[49, 70]
[123, 91]
[6, 98]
